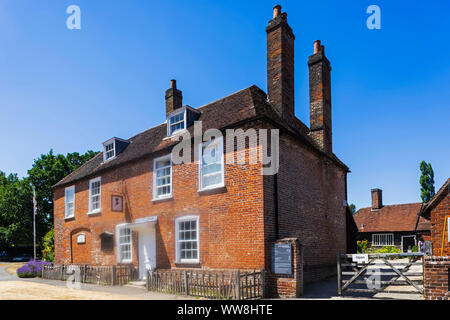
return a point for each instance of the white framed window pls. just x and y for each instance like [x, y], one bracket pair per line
[69, 202]
[109, 151]
[162, 177]
[95, 186]
[124, 244]
[383, 239]
[176, 122]
[187, 239]
[211, 170]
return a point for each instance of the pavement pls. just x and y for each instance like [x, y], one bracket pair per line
[325, 289]
[13, 287]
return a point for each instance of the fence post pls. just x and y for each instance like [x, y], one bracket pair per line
[263, 284]
[113, 275]
[186, 282]
[339, 273]
[237, 294]
[62, 273]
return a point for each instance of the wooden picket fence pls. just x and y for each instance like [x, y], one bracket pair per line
[100, 275]
[212, 284]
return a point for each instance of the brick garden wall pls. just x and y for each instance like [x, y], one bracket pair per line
[436, 272]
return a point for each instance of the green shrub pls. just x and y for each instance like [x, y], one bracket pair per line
[388, 249]
[48, 243]
[361, 246]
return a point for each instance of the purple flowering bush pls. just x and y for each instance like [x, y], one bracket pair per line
[32, 269]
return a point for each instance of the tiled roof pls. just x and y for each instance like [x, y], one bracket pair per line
[245, 105]
[444, 190]
[399, 217]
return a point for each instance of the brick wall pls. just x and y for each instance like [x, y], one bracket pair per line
[231, 218]
[436, 272]
[438, 215]
[311, 191]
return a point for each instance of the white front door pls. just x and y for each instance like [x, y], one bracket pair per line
[147, 251]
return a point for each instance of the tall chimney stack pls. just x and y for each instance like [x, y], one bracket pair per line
[377, 201]
[280, 64]
[320, 98]
[174, 98]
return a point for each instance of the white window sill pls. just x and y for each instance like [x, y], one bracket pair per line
[126, 261]
[197, 261]
[162, 198]
[69, 218]
[217, 186]
[94, 212]
[176, 134]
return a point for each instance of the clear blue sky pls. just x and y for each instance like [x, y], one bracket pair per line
[70, 90]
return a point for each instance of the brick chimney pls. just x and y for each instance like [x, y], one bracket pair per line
[320, 98]
[280, 64]
[174, 98]
[377, 201]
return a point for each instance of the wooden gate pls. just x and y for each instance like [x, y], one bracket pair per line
[388, 273]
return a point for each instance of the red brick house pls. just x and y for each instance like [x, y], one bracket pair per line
[437, 211]
[398, 225]
[131, 204]
[437, 266]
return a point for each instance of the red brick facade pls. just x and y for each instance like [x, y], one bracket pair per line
[437, 267]
[239, 222]
[439, 217]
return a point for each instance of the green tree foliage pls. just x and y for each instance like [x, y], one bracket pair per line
[426, 181]
[16, 207]
[352, 208]
[48, 243]
[16, 197]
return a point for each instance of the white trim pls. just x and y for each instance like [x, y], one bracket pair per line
[65, 202]
[118, 250]
[166, 196]
[90, 211]
[448, 231]
[174, 113]
[200, 164]
[177, 249]
[411, 235]
[376, 244]
[107, 143]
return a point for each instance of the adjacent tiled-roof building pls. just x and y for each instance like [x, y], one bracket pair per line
[398, 225]
[437, 210]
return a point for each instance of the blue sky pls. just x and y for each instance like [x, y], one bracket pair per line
[70, 90]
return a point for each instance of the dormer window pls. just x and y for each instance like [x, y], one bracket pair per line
[176, 122]
[110, 151]
[113, 147]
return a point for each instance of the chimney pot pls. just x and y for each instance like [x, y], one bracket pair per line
[173, 84]
[316, 46]
[276, 11]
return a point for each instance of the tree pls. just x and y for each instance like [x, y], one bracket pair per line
[16, 197]
[16, 207]
[426, 181]
[46, 172]
[352, 208]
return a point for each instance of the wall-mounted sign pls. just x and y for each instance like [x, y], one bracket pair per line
[282, 258]
[81, 238]
[117, 203]
[360, 258]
